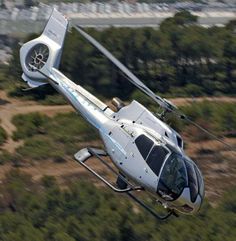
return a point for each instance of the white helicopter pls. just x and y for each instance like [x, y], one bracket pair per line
[148, 154]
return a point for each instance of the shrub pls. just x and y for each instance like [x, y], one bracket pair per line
[3, 135]
[50, 137]
[29, 125]
[193, 90]
[5, 157]
[37, 148]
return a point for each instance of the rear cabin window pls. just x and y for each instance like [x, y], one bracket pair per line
[156, 158]
[144, 145]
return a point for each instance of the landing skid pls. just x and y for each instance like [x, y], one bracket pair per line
[123, 185]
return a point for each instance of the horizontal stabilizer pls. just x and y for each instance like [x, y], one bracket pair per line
[32, 83]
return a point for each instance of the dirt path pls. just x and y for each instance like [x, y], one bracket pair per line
[15, 106]
[61, 171]
[185, 101]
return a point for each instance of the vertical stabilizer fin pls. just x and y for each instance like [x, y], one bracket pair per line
[44, 52]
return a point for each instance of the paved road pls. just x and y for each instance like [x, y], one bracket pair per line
[30, 26]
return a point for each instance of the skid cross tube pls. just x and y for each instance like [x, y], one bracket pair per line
[86, 153]
[132, 187]
[93, 152]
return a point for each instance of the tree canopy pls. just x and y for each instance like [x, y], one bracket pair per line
[82, 212]
[180, 58]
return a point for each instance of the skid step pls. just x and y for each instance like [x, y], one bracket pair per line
[85, 153]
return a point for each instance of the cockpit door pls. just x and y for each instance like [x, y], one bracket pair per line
[138, 150]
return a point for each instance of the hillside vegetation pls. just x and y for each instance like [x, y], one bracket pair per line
[44, 212]
[220, 118]
[60, 136]
[51, 138]
[3, 135]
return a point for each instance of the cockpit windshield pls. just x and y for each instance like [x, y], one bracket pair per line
[177, 173]
[173, 178]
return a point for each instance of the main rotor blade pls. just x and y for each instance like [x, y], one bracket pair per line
[212, 135]
[167, 105]
[131, 77]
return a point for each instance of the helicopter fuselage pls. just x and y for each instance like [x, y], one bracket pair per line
[119, 131]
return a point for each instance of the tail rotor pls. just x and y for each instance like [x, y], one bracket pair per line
[44, 52]
[37, 57]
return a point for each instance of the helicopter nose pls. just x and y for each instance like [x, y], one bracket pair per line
[186, 205]
[195, 187]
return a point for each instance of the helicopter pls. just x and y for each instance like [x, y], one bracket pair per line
[148, 155]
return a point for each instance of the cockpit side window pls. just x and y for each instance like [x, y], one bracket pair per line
[200, 182]
[192, 181]
[144, 145]
[156, 158]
